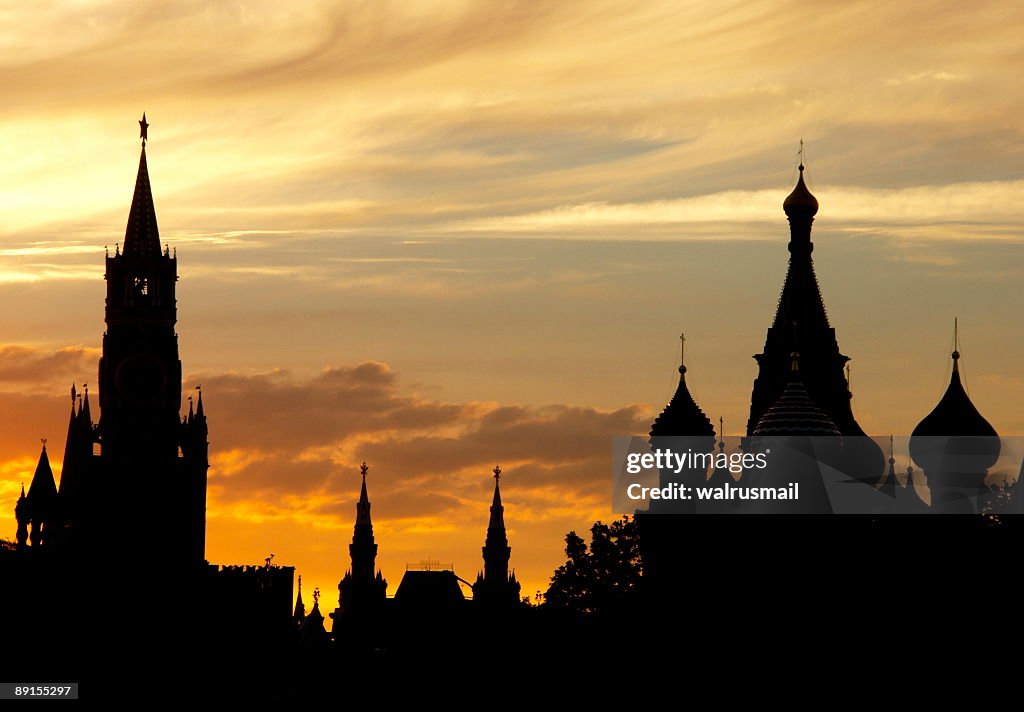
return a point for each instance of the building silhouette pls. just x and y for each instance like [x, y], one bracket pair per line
[131, 505]
[133, 486]
[496, 585]
[135, 481]
[429, 594]
[955, 446]
[802, 396]
[130, 510]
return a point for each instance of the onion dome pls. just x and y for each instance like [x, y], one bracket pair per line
[801, 202]
[956, 416]
[682, 416]
[795, 413]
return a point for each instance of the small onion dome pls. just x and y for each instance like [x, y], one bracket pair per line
[801, 203]
[795, 413]
[977, 443]
[682, 416]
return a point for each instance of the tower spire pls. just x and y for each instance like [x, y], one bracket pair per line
[497, 510]
[822, 375]
[363, 506]
[956, 345]
[360, 589]
[300, 608]
[142, 237]
[495, 585]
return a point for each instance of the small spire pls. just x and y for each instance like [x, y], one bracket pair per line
[74, 394]
[497, 520]
[199, 402]
[801, 203]
[892, 456]
[682, 415]
[300, 607]
[956, 343]
[142, 235]
[721, 433]
[363, 506]
[682, 353]
[143, 129]
[191, 416]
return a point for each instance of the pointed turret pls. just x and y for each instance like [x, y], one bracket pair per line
[721, 476]
[682, 416]
[22, 516]
[363, 505]
[496, 586]
[43, 487]
[300, 608]
[142, 237]
[312, 632]
[70, 448]
[361, 592]
[86, 413]
[42, 501]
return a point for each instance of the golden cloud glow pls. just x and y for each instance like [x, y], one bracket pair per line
[352, 183]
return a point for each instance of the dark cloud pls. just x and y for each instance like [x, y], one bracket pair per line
[39, 369]
[277, 437]
[275, 412]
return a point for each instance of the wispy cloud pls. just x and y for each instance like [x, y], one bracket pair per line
[937, 76]
[996, 202]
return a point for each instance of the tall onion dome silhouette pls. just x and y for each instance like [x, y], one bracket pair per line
[954, 444]
[682, 427]
[682, 416]
[801, 324]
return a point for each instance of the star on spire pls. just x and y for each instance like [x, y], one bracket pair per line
[497, 472]
[143, 129]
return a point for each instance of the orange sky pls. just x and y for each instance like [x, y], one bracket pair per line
[442, 236]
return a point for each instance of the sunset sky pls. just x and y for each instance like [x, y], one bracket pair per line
[439, 236]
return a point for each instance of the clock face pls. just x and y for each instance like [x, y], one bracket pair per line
[140, 378]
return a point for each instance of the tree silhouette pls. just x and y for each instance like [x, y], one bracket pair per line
[600, 577]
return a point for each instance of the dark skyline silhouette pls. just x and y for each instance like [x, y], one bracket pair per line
[132, 499]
